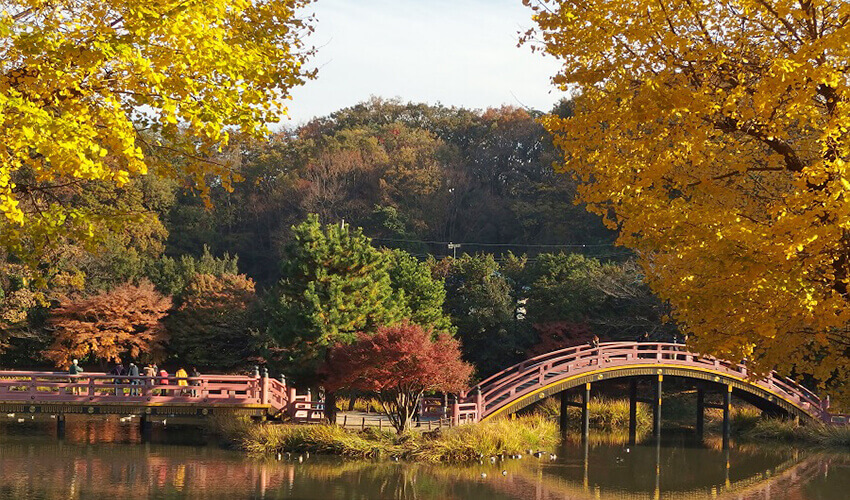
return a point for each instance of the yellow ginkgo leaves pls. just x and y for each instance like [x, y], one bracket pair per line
[731, 118]
[94, 90]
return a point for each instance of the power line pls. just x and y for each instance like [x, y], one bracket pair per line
[522, 245]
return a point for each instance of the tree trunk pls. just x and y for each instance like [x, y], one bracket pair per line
[330, 407]
[403, 418]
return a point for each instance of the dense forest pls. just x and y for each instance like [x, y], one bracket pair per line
[452, 218]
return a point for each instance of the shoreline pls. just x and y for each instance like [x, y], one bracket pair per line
[487, 441]
[466, 443]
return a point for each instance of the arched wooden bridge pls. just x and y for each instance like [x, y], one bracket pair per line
[578, 367]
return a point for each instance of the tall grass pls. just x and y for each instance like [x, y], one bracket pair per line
[491, 438]
[606, 415]
[778, 429]
[366, 405]
[463, 443]
[742, 418]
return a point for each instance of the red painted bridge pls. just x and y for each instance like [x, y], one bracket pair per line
[504, 393]
[581, 366]
[91, 393]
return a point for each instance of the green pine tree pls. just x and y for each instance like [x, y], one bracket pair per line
[334, 284]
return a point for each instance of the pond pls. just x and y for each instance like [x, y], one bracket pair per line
[108, 459]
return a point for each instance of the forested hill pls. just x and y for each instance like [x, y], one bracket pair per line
[219, 278]
[413, 176]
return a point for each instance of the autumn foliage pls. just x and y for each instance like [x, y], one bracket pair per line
[210, 329]
[124, 322]
[713, 135]
[74, 75]
[398, 364]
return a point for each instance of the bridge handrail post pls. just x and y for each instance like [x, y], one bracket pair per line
[455, 410]
[479, 403]
[91, 387]
[264, 387]
[293, 395]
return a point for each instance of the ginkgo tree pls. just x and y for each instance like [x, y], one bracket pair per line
[713, 134]
[98, 90]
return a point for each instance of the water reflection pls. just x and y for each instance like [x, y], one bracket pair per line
[105, 459]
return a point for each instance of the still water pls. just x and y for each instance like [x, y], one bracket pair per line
[107, 459]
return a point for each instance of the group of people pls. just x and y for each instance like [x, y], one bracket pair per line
[155, 376]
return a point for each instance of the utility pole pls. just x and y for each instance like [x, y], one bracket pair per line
[453, 247]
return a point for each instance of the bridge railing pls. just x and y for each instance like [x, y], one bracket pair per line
[531, 374]
[99, 388]
[839, 418]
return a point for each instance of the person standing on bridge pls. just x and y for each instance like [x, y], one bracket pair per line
[117, 370]
[594, 344]
[181, 380]
[150, 372]
[196, 375]
[163, 380]
[75, 370]
[133, 371]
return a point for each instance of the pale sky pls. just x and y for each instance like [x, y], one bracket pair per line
[455, 52]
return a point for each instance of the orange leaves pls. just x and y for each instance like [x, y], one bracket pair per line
[124, 322]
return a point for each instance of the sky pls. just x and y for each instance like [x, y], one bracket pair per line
[453, 52]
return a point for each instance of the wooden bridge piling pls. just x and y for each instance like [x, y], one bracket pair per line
[700, 428]
[60, 426]
[727, 424]
[656, 407]
[585, 413]
[632, 411]
[146, 428]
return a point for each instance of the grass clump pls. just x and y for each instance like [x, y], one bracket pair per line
[779, 429]
[365, 405]
[463, 443]
[495, 437]
[269, 439]
[742, 419]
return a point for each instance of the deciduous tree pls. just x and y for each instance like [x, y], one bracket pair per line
[398, 364]
[98, 90]
[212, 326]
[125, 322]
[713, 135]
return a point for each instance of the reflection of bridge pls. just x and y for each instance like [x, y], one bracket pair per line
[788, 476]
[97, 394]
[581, 366]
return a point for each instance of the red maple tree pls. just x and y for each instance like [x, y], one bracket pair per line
[398, 364]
